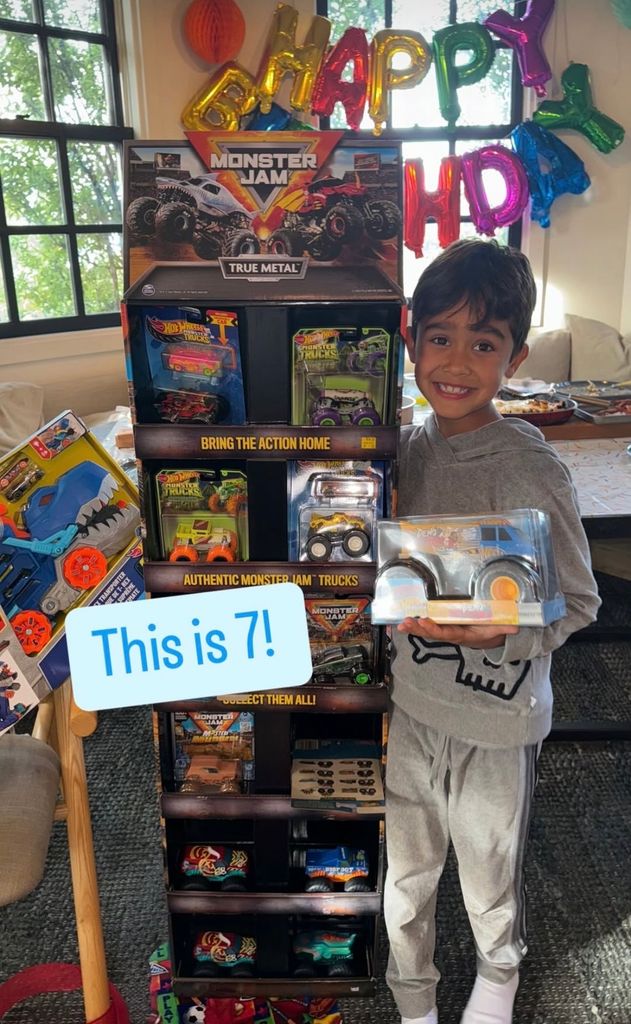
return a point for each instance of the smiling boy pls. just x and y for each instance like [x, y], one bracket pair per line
[472, 704]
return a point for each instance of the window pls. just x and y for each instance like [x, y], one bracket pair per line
[490, 109]
[61, 129]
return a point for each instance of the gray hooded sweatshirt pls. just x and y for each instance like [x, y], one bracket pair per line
[500, 697]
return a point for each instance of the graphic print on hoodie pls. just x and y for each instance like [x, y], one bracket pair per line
[480, 673]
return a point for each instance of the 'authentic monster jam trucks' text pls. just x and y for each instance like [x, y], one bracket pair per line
[69, 531]
[328, 214]
[197, 210]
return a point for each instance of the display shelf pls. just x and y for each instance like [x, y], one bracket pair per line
[328, 904]
[253, 805]
[196, 577]
[336, 988]
[353, 698]
[271, 441]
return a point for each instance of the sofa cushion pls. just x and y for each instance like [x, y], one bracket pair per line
[549, 356]
[599, 352]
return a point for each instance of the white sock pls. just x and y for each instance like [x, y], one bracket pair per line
[429, 1018]
[490, 1003]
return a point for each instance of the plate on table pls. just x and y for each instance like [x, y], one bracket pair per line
[617, 411]
[540, 410]
[600, 389]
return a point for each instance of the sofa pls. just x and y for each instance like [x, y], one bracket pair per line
[584, 350]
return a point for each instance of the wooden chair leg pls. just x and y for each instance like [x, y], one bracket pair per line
[96, 996]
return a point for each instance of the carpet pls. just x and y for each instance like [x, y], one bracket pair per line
[579, 871]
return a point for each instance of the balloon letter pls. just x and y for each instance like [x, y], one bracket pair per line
[450, 76]
[567, 171]
[225, 98]
[282, 56]
[525, 36]
[383, 76]
[486, 217]
[577, 111]
[330, 89]
[443, 205]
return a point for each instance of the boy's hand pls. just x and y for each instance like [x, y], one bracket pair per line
[476, 637]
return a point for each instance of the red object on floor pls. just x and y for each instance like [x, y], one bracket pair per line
[35, 981]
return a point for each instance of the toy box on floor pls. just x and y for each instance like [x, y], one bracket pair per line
[166, 1008]
[69, 518]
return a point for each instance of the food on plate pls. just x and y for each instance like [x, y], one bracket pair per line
[620, 408]
[528, 406]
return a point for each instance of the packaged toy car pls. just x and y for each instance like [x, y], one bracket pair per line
[203, 866]
[67, 513]
[333, 511]
[341, 638]
[188, 360]
[327, 870]
[214, 751]
[339, 376]
[224, 953]
[324, 952]
[203, 515]
[485, 569]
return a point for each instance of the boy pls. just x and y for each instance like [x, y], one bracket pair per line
[472, 704]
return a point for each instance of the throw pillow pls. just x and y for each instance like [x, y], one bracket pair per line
[21, 413]
[599, 352]
[549, 356]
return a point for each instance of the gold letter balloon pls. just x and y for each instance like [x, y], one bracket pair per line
[383, 77]
[282, 57]
[228, 96]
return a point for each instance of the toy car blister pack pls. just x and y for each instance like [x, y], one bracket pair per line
[214, 751]
[193, 365]
[203, 514]
[468, 569]
[67, 514]
[341, 638]
[339, 376]
[333, 510]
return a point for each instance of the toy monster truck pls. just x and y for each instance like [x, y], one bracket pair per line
[329, 214]
[342, 661]
[327, 869]
[184, 407]
[71, 529]
[338, 528]
[217, 953]
[197, 210]
[200, 541]
[204, 867]
[331, 952]
[335, 407]
[229, 497]
[367, 355]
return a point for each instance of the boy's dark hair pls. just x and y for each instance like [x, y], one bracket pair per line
[495, 280]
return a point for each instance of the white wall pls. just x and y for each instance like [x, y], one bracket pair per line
[583, 261]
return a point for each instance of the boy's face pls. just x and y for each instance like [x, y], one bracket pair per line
[460, 365]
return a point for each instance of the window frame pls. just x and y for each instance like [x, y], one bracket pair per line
[62, 133]
[452, 135]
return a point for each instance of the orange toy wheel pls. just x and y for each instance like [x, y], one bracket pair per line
[33, 630]
[84, 567]
[504, 588]
[183, 553]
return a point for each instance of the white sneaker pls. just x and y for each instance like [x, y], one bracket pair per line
[429, 1018]
[491, 1003]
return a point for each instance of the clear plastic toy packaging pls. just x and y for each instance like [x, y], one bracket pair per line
[341, 637]
[203, 515]
[194, 364]
[468, 569]
[333, 510]
[339, 376]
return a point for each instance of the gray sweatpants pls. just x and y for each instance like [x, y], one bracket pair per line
[437, 788]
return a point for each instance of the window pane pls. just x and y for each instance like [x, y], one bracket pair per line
[417, 106]
[41, 267]
[431, 153]
[413, 268]
[424, 18]
[366, 14]
[4, 310]
[21, 10]
[83, 15]
[489, 101]
[478, 10]
[20, 83]
[30, 181]
[95, 175]
[101, 261]
[79, 82]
